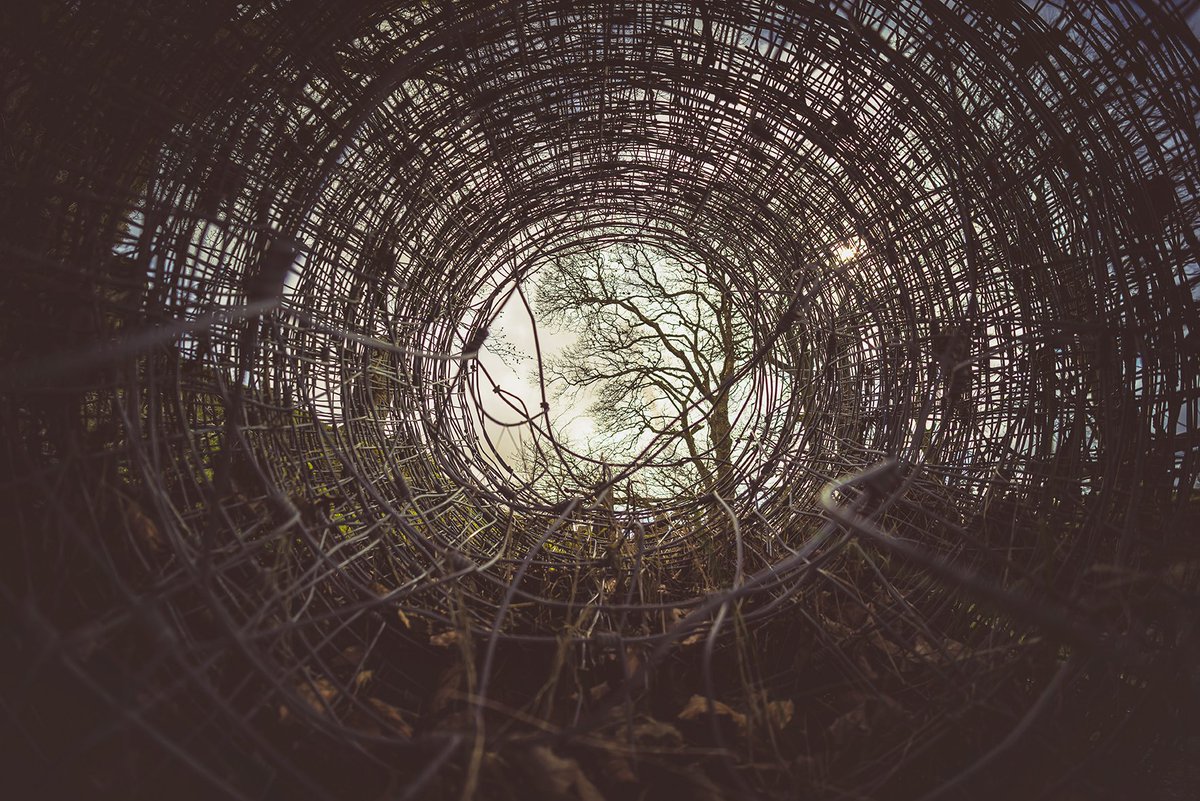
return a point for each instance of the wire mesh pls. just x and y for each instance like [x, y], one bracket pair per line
[264, 544]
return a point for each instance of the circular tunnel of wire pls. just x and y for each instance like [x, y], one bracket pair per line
[940, 514]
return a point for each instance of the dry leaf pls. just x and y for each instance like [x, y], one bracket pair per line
[697, 706]
[379, 589]
[615, 766]
[951, 651]
[656, 733]
[692, 639]
[445, 639]
[780, 713]
[839, 630]
[404, 619]
[141, 526]
[317, 694]
[632, 661]
[362, 678]
[923, 649]
[559, 777]
[392, 716]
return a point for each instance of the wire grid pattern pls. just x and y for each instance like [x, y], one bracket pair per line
[257, 519]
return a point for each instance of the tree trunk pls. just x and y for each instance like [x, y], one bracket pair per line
[720, 428]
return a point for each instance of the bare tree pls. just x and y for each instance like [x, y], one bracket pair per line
[658, 345]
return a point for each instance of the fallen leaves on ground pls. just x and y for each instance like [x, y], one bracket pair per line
[698, 706]
[651, 732]
[141, 526]
[392, 716]
[780, 713]
[951, 651]
[614, 756]
[317, 694]
[558, 777]
[614, 764]
[445, 639]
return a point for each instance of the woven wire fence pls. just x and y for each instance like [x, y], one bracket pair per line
[262, 538]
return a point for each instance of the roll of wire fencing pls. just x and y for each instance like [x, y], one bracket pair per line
[883, 321]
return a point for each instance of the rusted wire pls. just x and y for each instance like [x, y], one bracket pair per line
[264, 542]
